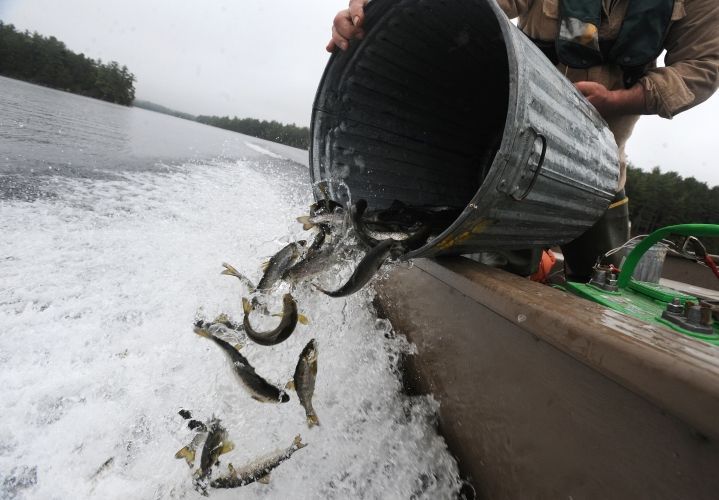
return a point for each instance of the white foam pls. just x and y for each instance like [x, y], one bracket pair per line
[262, 150]
[100, 287]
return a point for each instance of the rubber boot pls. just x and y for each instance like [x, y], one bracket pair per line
[611, 231]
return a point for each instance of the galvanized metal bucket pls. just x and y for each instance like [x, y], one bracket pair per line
[651, 265]
[446, 102]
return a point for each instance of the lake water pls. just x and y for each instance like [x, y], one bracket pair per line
[113, 226]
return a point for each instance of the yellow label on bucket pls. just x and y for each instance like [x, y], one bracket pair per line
[478, 228]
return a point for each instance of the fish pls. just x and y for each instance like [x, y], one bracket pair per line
[188, 452]
[310, 265]
[215, 445]
[231, 271]
[336, 218]
[357, 210]
[326, 205]
[320, 238]
[386, 235]
[366, 269]
[304, 381]
[415, 241]
[259, 470]
[279, 263]
[402, 216]
[397, 214]
[284, 329]
[258, 388]
[414, 234]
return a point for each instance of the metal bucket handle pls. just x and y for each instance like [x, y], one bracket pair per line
[540, 163]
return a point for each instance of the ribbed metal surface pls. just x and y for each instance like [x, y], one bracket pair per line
[447, 103]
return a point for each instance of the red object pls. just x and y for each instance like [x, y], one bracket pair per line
[710, 262]
[545, 267]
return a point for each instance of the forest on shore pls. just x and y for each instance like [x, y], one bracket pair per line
[291, 135]
[658, 199]
[47, 61]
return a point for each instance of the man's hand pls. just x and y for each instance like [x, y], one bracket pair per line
[614, 102]
[347, 25]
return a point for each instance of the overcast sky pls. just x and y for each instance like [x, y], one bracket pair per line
[264, 59]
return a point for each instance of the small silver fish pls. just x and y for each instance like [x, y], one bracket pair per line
[336, 218]
[287, 325]
[258, 388]
[281, 262]
[311, 266]
[215, 445]
[259, 470]
[304, 380]
[387, 235]
[366, 269]
[315, 259]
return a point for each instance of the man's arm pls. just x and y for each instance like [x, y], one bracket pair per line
[631, 101]
[691, 74]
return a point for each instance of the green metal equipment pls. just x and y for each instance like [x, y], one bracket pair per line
[652, 302]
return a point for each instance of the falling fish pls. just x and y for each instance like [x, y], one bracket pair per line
[320, 238]
[279, 263]
[326, 205]
[304, 380]
[365, 270]
[310, 221]
[312, 265]
[259, 389]
[259, 470]
[314, 260]
[284, 329]
[273, 269]
[387, 235]
[215, 445]
[356, 213]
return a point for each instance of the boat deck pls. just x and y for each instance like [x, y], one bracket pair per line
[546, 395]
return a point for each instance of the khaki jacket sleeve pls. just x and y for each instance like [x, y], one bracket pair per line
[515, 8]
[691, 74]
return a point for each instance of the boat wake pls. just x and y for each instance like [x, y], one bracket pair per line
[101, 284]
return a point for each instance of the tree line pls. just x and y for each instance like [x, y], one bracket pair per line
[47, 61]
[291, 135]
[658, 199]
[159, 108]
